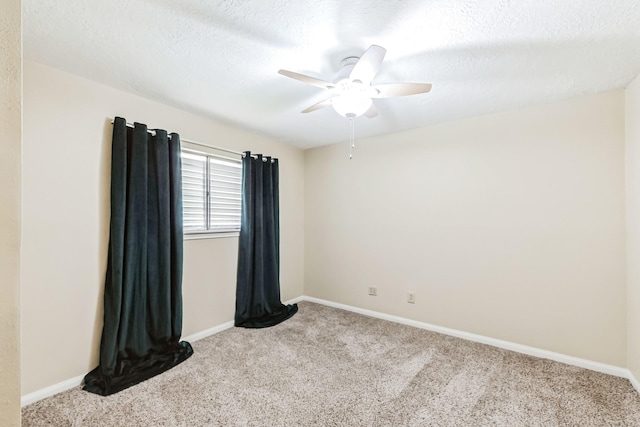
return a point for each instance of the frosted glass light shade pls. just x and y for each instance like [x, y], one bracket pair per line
[351, 103]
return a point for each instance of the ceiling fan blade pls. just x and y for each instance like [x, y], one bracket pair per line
[371, 112]
[400, 89]
[367, 66]
[307, 79]
[319, 105]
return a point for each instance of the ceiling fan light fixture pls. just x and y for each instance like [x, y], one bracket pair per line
[351, 104]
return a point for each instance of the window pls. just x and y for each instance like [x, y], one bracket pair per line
[211, 193]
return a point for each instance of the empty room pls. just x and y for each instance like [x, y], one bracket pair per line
[366, 213]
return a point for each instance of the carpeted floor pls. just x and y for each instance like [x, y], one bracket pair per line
[328, 367]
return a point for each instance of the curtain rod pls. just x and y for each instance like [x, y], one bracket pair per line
[153, 132]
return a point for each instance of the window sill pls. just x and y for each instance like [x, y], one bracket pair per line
[217, 235]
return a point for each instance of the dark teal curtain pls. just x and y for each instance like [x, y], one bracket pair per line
[258, 302]
[143, 286]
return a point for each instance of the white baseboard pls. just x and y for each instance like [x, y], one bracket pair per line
[208, 332]
[531, 351]
[634, 381]
[295, 300]
[30, 398]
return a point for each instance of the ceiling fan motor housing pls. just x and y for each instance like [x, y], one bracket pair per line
[346, 65]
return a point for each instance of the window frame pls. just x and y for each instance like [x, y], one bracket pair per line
[210, 233]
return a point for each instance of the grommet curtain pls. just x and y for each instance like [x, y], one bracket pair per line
[258, 303]
[143, 285]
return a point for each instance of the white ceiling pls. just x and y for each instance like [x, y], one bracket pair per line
[220, 58]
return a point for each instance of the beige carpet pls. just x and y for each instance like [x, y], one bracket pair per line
[327, 367]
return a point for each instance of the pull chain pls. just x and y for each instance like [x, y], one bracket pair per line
[352, 138]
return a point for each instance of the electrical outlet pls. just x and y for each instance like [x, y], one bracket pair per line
[411, 297]
[373, 291]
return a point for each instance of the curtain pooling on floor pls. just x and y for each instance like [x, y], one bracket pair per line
[143, 285]
[258, 303]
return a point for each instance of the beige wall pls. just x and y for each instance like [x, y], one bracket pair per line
[632, 126]
[509, 226]
[10, 200]
[67, 138]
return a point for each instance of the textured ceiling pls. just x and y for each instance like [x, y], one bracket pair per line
[220, 58]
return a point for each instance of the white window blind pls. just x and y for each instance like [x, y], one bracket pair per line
[225, 194]
[211, 193]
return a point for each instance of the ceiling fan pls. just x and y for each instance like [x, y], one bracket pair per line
[351, 95]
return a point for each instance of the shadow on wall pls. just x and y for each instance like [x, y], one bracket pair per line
[103, 239]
